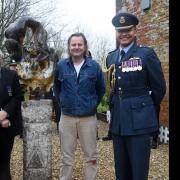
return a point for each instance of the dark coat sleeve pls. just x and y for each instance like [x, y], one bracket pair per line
[57, 85]
[15, 102]
[156, 78]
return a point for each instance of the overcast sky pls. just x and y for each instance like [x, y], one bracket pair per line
[93, 16]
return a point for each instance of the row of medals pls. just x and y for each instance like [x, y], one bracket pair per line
[133, 64]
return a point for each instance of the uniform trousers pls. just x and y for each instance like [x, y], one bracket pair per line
[85, 128]
[6, 145]
[131, 156]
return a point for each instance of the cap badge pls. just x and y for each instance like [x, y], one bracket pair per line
[122, 20]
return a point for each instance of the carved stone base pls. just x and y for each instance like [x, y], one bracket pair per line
[37, 140]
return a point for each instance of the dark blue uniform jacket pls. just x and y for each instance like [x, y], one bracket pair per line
[133, 107]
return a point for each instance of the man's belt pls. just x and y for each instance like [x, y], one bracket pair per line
[127, 94]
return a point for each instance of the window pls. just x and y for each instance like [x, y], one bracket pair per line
[145, 5]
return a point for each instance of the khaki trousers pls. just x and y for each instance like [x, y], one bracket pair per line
[85, 128]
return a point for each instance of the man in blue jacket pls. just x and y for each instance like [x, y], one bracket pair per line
[137, 71]
[79, 87]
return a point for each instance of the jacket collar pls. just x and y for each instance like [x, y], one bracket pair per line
[115, 56]
[86, 62]
[130, 52]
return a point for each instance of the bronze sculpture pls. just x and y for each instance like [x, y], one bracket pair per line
[26, 43]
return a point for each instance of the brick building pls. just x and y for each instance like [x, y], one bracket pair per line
[153, 31]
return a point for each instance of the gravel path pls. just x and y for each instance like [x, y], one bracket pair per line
[159, 164]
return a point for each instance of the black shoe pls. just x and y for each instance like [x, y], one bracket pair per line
[107, 138]
[154, 144]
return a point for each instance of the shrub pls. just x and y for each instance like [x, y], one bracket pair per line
[104, 104]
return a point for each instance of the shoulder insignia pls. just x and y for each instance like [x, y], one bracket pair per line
[142, 45]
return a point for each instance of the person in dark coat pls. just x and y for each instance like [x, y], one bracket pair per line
[57, 110]
[10, 121]
[137, 70]
[56, 106]
[13, 67]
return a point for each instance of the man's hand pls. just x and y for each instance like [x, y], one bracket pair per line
[5, 123]
[3, 115]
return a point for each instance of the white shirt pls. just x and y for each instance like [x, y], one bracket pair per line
[78, 67]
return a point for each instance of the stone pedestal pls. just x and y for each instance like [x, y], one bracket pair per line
[37, 140]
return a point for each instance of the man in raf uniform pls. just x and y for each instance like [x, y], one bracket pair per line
[137, 71]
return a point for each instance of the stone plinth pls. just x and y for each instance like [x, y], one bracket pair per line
[37, 140]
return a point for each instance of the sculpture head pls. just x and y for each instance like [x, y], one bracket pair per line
[35, 60]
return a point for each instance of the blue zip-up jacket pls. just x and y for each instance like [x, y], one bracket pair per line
[79, 96]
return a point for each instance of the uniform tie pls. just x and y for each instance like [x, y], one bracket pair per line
[122, 53]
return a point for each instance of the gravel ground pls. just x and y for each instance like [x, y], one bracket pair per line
[159, 163]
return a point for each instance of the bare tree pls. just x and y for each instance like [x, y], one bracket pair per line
[43, 11]
[100, 46]
[11, 10]
[57, 41]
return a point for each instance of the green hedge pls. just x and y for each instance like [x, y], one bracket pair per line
[104, 104]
